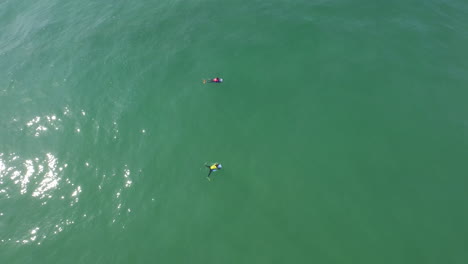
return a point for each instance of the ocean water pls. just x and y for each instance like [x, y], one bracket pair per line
[342, 127]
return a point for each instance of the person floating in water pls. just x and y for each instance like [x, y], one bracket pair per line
[214, 167]
[214, 80]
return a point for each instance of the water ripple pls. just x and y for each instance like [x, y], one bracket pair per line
[39, 178]
[40, 125]
[40, 174]
[50, 181]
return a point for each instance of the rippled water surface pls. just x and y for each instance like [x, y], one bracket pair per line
[342, 128]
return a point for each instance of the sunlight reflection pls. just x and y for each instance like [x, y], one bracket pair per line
[50, 180]
[128, 182]
[40, 125]
[66, 110]
[35, 120]
[29, 172]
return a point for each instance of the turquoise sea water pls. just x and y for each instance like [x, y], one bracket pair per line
[342, 127]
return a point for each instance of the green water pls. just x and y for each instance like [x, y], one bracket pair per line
[342, 127]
